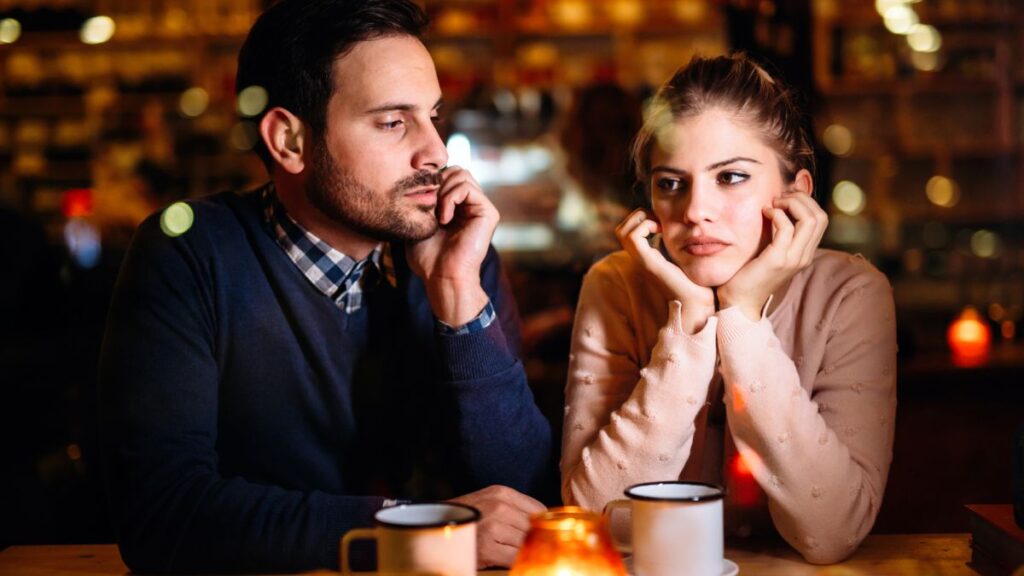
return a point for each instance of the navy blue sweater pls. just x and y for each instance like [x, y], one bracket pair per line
[247, 422]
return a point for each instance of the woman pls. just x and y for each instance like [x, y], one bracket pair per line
[737, 344]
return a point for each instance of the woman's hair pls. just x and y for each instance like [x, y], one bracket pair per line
[733, 83]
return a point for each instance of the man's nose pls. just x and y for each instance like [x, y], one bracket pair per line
[431, 153]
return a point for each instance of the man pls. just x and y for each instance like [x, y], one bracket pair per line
[306, 353]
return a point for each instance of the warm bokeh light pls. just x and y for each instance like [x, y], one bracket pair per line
[848, 198]
[571, 13]
[924, 38]
[76, 203]
[1007, 329]
[193, 102]
[838, 139]
[177, 219]
[985, 244]
[453, 22]
[882, 6]
[996, 312]
[900, 19]
[252, 101]
[742, 483]
[942, 191]
[626, 12]
[97, 30]
[10, 31]
[926, 61]
[969, 337]
[690, 11]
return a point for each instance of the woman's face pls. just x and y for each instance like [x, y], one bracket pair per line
[710, 177]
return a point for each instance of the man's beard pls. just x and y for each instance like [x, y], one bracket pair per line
[333, 190]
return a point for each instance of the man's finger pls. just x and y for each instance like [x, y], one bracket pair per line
[496, 554]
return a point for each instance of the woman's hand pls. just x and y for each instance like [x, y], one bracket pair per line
[791, 249]
[698, 301]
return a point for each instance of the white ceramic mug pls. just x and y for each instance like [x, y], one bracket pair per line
[676, 528]
[436, 538]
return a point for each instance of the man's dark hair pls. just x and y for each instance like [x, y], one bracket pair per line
[291, 49]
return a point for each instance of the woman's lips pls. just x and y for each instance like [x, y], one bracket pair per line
[704, 246]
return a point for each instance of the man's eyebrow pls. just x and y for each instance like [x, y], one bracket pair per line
[401, 107]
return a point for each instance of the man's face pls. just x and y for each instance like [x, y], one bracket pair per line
[373, 170]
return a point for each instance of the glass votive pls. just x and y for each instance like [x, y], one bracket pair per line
[568, 541]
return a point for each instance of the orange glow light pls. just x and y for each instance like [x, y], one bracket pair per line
[76, 203]
[742, 483]
[568, 541]
[969, 338]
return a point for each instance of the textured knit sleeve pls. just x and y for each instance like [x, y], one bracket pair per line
[626, 423]
[502, 436]
[822, 458]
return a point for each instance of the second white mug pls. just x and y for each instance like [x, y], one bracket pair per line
[676, 528]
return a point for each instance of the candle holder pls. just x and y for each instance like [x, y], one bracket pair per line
[568, 541]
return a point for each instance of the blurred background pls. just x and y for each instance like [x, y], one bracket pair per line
[113, 109]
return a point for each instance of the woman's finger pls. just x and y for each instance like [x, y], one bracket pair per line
[803, 228]
[782, 235]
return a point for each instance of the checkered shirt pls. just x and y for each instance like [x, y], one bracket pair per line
[339, 276]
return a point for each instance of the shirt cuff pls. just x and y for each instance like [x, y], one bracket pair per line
[482, 321]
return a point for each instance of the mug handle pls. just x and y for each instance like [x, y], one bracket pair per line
[608, 509]
[347, 539]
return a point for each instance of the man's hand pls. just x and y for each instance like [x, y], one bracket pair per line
[506, 519]
[449, 261]
[791, 249]
[698, 301]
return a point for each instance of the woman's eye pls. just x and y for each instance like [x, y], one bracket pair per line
[669, 184]
[731, 178]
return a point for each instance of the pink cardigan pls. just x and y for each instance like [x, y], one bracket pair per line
[809, 400]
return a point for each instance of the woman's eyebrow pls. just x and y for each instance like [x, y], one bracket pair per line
[730, 161]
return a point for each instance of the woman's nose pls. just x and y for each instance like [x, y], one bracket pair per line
[701, 203]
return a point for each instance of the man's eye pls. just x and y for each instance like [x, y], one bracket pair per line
[669, 184]
[390, 125]
[731, 178]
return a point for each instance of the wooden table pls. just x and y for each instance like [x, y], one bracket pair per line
[910, 555]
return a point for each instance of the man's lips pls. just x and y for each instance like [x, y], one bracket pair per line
[704, 245]
[423, 195]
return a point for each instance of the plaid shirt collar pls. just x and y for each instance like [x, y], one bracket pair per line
[337, 275]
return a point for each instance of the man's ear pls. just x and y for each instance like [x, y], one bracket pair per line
[803, 182]
[284, 135]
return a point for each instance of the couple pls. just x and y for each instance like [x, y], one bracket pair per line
[313, 351]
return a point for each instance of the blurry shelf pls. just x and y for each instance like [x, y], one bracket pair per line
[864, 14]
[22, 106]
[64, 41]
[870, 151]
[859, 88]
[962, 215]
